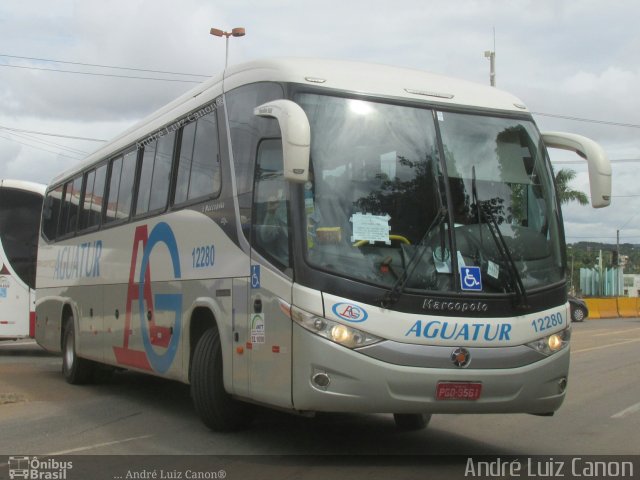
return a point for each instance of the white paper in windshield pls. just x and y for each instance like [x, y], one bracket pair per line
[493, 269]
[372, 228]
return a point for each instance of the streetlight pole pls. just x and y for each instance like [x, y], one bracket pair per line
[235, 32]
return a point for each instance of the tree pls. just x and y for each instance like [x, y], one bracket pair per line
[565, 193]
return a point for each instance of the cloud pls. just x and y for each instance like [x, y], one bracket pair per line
[571, 58]
[136, 34]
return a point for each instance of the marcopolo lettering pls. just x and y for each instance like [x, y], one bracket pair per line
[78, 261]
[490, 332]
[454, 306]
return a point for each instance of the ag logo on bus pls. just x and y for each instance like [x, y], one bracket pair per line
[139, 292]
[350, 312]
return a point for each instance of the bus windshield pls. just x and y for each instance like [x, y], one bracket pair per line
[19, 227]
[388, 203]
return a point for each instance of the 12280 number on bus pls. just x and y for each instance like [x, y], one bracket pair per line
[548, 321]
[203, 257]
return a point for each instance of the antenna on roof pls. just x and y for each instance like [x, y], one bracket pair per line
[491, 55]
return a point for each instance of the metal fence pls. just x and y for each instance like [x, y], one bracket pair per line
[608, 282]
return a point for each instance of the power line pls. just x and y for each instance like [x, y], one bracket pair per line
[117, 67]
[104, 66]
[39, 148]
[553, 115]
[566, 117]
[627, 222]
[52, 134]
[49, 143]
[101, 74]
[597, 236]
[590, 120]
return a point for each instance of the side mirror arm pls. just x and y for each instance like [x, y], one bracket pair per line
[599, 165]
[296, 136]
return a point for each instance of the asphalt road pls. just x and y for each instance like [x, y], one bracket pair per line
[40, 414]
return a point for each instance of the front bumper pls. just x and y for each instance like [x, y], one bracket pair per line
[359, 383]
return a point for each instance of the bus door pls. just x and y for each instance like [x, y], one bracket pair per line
[269, 323]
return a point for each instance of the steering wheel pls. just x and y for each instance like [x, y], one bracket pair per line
[470, 241]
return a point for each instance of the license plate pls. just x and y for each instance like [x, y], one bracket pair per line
[458, 391]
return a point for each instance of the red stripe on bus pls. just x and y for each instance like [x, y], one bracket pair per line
[32, 324]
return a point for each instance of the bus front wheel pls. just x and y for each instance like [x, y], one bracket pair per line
[411, 421]
[217, 409]
[76, 370]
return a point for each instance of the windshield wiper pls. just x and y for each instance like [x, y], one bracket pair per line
[393, 295]
[501, 245]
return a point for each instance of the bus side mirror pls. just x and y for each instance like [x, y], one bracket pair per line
[296, 136]
[599, 165]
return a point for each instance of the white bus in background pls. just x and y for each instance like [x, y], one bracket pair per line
[320, 236]
[20, 212]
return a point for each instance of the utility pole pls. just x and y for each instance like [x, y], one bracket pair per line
[617, 265]
[600, 279]
[491, 55]
[571, 289]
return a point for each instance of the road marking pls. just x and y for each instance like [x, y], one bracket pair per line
[600, 347]
[632, 409]
[18, 343]
[615, 332]
[98, 445]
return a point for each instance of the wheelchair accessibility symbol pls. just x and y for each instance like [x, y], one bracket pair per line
[255, 276]
[471, 278]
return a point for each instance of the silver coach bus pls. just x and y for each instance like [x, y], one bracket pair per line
[317, 235]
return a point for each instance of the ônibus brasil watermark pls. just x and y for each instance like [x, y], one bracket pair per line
[33, 468]
[175, 126]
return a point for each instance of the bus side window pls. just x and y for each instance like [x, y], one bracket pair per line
[155, 172]
[199, 160]
[51, 213]
[162, 172]
[125, 194]
[246, 130]
[271, 222]
[184, 163]
[70, 207]
[98, 196]
[146, 174]
[85, 212]
[114, 187]
[93, 195]
[205, 167]
[123, 171]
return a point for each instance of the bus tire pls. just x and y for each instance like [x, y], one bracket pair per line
[217, 409]
[76, 370]
[411, 421]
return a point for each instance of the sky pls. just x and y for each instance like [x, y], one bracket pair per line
[578, 59]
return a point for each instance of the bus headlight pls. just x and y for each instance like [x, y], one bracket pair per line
[336, 332]
[552, 343]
